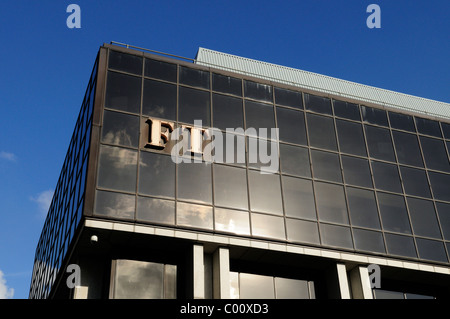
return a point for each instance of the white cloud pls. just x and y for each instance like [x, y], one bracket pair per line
[8, 156]
[44, 199]
[5, 291]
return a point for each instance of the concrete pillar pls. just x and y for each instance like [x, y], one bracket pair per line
[199, 272]
[343, 281]
[221, 273]
[360, 283]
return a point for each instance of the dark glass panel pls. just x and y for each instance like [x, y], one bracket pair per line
[268, 226]
[379, 143]
[125, 62]
[423, 218]
[356, 171]
[263, 154]
[160, 100]
[346, 110]
[295, 160]
[197, 216]
[258, 91]
[194, 182]
[407, 147]
[193, 77]
[336, 236]
[321, 132]
[230, 187]
[291, 288]
[226, 84]
[265, 192]
[402, 122]
[318, 104]
[114, 205]
[415, 182]
[160, 70]
[435, 154]
[256, 287]
[302, 231]
[367, 240]
[123, 92]
[374, 116]
[155, 210]
[394, 216]
[446, 129]
[351, 138]
[291, 126]
[259, 115]
[326, 166]
[156, 175]
[331, 203]
[233, 150]
[117, 168]
[386, 177]
[232, 221]
[194, 105]
[416, 296]
[400, 245]
[444, 218]
[428, 127]
[386, 294]
[298, 198]
[227, 112]
[288, 98]
[120, 129]
[431, 250]
[363, 208]
[440, 185]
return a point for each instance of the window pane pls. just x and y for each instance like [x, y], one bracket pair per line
[291, 288]
[298, 198]
[258, 91]
[379, 143]
[428, 127]
[170, 281]
[302, 231]
[156, 175]
[367, 240]
[385, 294]
[117, 168]
[331, 203]
[446, 129]
[386, 177]
[431, 250]
[194, 105]
[227, 112]
[374, 116]
[198, 216]
[265, 192]
[114, 205]
[230, 187]
[346, 110]
[423, 218]
[120, 129]
[193, 77]
[288, 98]
[363, 208]
[263, 154]
[256, 287]
[227, 84]
[415, 182]
[259, 115]
[326, 166]
[435, 154]
[356, 171]
[194, 182]
[351, 139]
[232, 221]
[440, 185]
[295, 160]
[233, 150]
[123, 92]
[321, 132]
[125, 62]
[160, 100]
[318, 104]
[400, 245]
[268, 226]
[291, 126]
[156, 210]
[336, 236]
[402, 122]
[160, 70]
[444, 218]
[393, 213]
[407, 147]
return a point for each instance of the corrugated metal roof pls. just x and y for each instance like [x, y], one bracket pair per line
[321, 83]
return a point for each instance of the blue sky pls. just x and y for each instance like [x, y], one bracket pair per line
[45, 66]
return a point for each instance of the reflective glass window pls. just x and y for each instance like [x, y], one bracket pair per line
[155, 210]
[194, 105]
[428, 127]
[193, 77]
[265, 192]
[363, 208]
[120, 129]
[232, 150]
[336, 236]
[125, 62]
[386, 177]
[386, 294]
[156, 175]
[226, 84]
[367, 240]
[123, 92]
[431, 250]
[435, 154]
[415, 182]
[321, 132]
[232, 221]
[197, 216]
[318, 104]
[379, 143]
[286, 288]
[230, 187]
[160, 100]
[114, 205]
[227, 112]
[291, 126]
[302, 231]
[288, 98]
[256, 287]
[117, 168]
[268, 226]
[407, 148]
[259, 115]
[298, 198]
[356, 171]
[423, 218]
[331, 203]
[326, 166]
[351, 139]
[402, 122]
[346, 110]
[400, 245]
[374, 116]
[258, 91]
[194, 182]
[160, 70]
[446, 130]
[263, 154]
[440, 185]
[444, 218]
[295, 160]
[394, 216]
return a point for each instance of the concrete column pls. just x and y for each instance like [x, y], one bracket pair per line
[80, 292]
[199, 272]
[221, 273]
[343, 281]
[360, 283]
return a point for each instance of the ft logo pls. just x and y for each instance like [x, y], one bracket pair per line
[374, 19]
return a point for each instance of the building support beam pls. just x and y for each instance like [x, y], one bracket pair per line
[360, 283]
[199, 272]
[221, 273]
[344, 288]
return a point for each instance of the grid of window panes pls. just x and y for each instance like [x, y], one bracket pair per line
[66, 208]
[350, 177]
